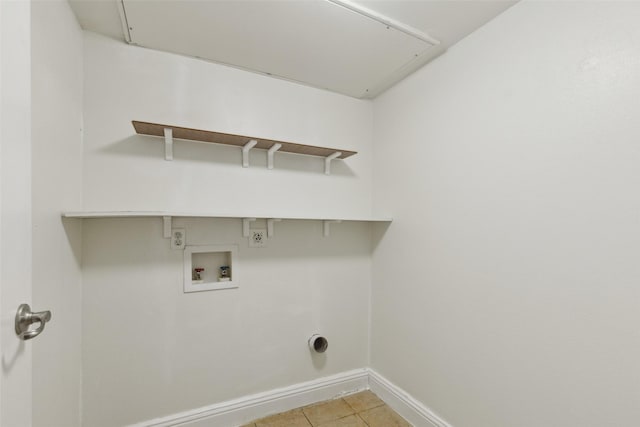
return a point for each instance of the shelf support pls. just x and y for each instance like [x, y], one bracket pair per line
[327, 162]
[245, 226]
[275, 147]
[270, 222]
[168, 144]
[166, 227]
[326, 226]
[245, 152]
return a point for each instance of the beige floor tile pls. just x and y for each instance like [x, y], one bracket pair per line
[327, 411]
[350, 421]
[249, 425]
[383, 416]
[363, 401]
[293, 418]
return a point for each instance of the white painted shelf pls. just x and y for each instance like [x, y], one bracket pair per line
[173, 214]
[167, 217]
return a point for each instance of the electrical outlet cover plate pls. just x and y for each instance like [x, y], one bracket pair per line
[257, 238]
[178, 238]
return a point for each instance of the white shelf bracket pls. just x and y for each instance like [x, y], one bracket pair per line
[270, 153]
[326, 226]
[245, 152]
[166, 227]
[245, 226]
[168, 144]
[327, 162]
[270, 222]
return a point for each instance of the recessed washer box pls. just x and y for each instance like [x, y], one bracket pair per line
[204, 268]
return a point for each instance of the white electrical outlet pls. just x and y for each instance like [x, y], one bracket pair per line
[257, 238]
[178, 238]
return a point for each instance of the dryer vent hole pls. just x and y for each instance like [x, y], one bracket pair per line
[319, 344]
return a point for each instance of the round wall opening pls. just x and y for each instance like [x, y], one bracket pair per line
[318, 343]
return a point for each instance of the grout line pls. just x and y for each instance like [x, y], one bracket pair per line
[352, 408]
[305, 415]
[355, 412]
[361, 419]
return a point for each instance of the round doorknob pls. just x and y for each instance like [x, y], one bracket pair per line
[25, 318]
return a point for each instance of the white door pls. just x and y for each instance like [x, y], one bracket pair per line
[15, 209]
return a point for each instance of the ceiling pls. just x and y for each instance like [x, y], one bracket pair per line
[356, 48]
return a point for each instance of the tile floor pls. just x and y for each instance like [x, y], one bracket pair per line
[362, 409]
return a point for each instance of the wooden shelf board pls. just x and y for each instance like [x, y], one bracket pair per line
[160, 214]
[156, 129]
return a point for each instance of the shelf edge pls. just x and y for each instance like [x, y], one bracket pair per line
[212, 137]
[160, 214]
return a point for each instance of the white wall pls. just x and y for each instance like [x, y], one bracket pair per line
[151, 350]
[125, 83]
[56, 79]
[148, 349]
[506, 290]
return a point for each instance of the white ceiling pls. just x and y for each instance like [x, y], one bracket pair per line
[357, 48]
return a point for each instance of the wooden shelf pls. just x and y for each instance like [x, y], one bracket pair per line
[156, 129]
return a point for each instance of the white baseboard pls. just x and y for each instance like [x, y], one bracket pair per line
[243, 410]
[240, 411]
[404, 404]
